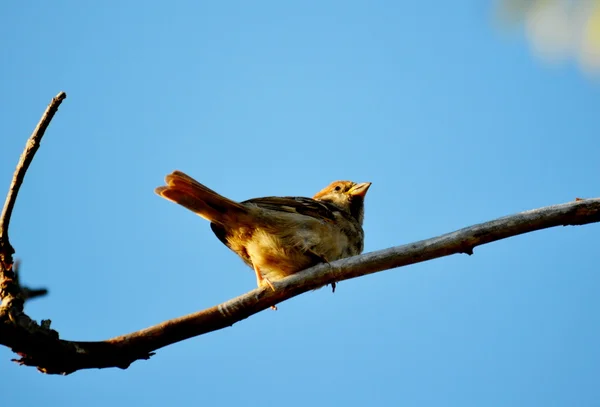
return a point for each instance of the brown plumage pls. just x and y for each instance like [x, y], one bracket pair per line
[279, 236]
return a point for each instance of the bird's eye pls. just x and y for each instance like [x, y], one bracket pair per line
[337, 188]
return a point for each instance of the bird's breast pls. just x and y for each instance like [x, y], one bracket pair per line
[293, 243]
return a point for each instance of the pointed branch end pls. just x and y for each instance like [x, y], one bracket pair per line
[60, 97]
[30, 293]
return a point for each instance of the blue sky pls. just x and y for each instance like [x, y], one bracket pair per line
[454, 123]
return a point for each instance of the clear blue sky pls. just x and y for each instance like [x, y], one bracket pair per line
[453, 122]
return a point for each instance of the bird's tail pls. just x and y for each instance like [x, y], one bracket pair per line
[189, 193]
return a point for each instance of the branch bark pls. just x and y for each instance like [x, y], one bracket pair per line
[40, 346]
[6, 250]
[12, 294]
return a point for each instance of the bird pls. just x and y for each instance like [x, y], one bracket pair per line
[279, 236]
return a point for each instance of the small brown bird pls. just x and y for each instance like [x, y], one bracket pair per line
[279, 236]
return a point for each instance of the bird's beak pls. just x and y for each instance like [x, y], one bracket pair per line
[360, 189]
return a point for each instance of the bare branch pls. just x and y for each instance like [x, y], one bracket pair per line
[6, 250]
[40, 346]
[11, 293]
[51, 355]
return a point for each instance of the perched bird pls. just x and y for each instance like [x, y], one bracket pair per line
[279, 236]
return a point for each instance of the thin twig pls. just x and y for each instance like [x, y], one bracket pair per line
[31, 293]
[50, 355]
[26, 292]
[6, 250]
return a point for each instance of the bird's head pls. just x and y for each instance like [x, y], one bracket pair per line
[346, 195]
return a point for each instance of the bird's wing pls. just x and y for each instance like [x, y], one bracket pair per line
[287, 204]
[300, 205]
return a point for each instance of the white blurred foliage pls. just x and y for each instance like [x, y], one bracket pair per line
[559, 29]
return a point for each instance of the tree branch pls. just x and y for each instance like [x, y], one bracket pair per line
[6, 250]
[12, 294]
[40, 346]
[51, 355]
